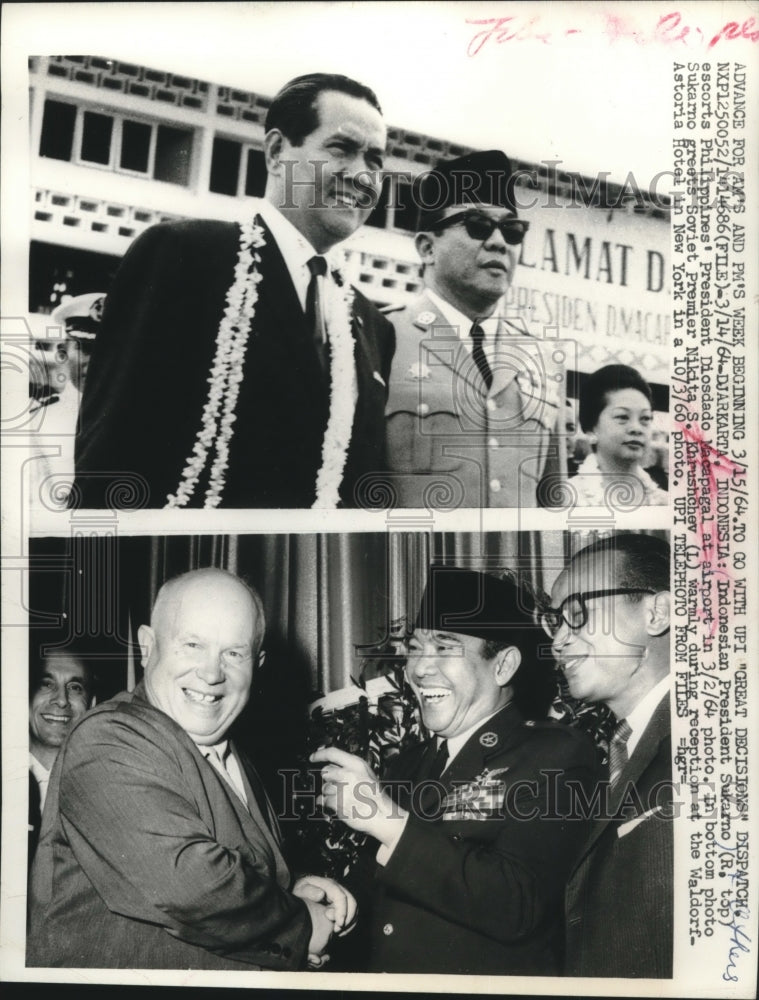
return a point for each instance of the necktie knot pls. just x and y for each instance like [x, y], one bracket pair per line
[438, 762]
[317, 265]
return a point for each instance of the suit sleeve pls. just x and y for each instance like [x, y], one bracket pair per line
[146, 383]
[505, 887]
[136, 827]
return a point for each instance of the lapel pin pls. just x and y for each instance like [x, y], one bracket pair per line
[489, 739]
[426, 317]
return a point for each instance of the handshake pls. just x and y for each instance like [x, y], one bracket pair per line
[332, 910]
[349, 783]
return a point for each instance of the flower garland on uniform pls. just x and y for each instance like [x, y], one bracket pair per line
[227, 373]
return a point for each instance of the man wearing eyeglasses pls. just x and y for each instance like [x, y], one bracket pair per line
[475, 829]
[609, 626]
[474, 399]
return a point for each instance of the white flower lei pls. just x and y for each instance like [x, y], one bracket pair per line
[227, 373]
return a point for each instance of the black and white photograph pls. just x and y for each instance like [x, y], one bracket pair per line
[442, 794]
[379, 447]
[477, 324]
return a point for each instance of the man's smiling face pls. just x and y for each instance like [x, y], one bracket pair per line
[61, 697]
[328, 185]
[455, 685]
[199, 655]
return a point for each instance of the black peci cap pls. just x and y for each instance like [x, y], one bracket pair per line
[483, 178]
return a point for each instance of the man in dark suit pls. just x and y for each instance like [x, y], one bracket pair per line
[159, 848]
[475, 827]
[62, 691]
[475, 400]
[235, 365]
[610, 632]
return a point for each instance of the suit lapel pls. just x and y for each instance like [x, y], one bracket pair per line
[276, 289]
[261, 816]
[657, 729]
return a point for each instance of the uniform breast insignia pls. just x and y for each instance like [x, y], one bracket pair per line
[418, 371]
[426, 317]
[479, 799]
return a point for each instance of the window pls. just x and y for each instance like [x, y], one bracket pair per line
[225, 166]
[237, 169]
[378, 217]
[152, 150]
[173, 149]
[135, 146]
[57, 138]
[96, 138]
[405, 216]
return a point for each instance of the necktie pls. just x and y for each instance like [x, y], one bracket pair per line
[618, 751]
[315, 310]
[438, 762]
[432, 796]
[478, 353]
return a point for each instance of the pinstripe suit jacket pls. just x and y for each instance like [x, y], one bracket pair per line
[148, 859]
[619, 902]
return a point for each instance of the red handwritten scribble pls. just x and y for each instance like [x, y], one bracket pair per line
[707, 467]
[505, 29]
[669, 29]
[733, 30]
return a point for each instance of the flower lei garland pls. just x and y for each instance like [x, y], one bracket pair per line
[227, 374]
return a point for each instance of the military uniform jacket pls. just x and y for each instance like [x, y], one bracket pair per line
[149, 860]
[148, 381]
[451, 441]
[619, 902]
[480, 889]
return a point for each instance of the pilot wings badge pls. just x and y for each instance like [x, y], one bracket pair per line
[480, 799]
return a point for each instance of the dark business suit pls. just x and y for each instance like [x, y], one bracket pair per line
[148, 380]
[480, 889]
[148, 858]
[619, 903]
[35, 819]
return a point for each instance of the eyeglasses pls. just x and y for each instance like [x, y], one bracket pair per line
[481, 227]
[573, 610]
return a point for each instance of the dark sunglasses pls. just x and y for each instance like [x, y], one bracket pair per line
[573, 610]
[481, 227]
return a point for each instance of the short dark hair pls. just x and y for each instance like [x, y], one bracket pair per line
[610, 378]
[293, 110]
[38, 664]
[645, 560]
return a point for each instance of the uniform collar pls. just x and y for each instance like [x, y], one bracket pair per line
[459, 321]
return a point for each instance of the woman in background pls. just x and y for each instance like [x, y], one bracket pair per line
[616, 415]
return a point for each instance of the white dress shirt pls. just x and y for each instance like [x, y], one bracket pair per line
[41, 776]
[297, 251]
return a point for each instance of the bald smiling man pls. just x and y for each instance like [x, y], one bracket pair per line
[159, 849]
